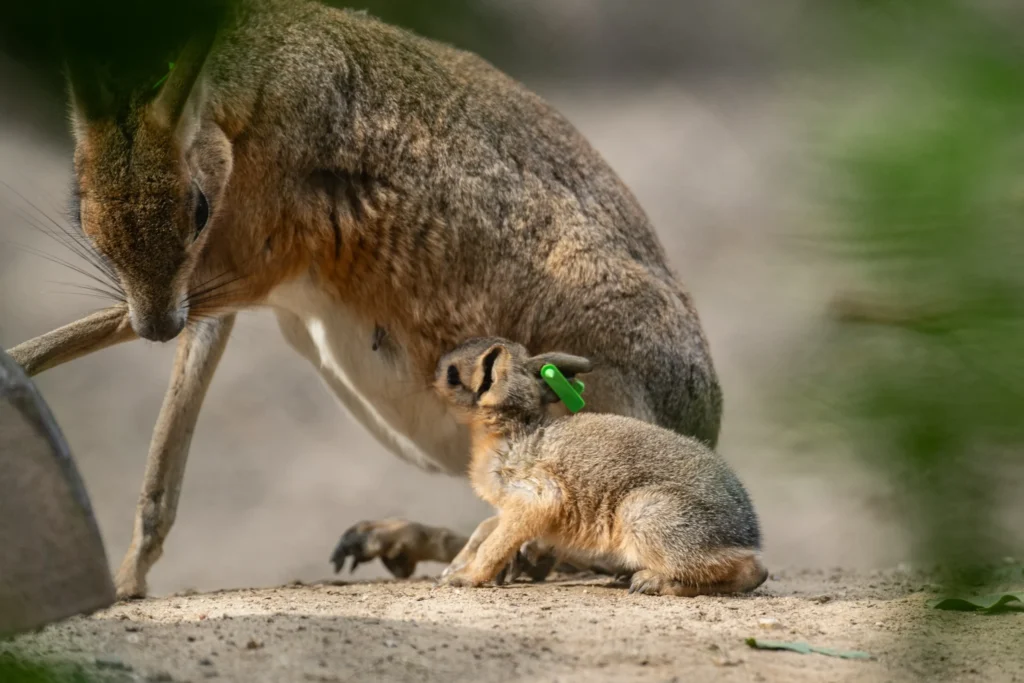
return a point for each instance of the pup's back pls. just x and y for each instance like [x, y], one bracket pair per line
[608, 459]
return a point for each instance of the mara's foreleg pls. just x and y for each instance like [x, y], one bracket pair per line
[92, 333]
[199, 352]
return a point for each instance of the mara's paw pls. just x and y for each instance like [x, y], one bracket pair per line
[399, 544]
[130, 580]
[647, 582]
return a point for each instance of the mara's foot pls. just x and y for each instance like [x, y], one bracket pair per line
[399, 544]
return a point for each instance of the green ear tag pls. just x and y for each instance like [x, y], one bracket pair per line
[170, 68]
[568, 392]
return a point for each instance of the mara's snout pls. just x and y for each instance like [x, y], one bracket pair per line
[160, 327]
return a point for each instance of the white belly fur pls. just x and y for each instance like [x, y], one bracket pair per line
[376, 388]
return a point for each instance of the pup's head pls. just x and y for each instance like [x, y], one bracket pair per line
[496, 377]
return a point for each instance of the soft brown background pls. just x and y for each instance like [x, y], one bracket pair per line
[278, 470]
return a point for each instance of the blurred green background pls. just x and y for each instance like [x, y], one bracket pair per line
[921, 368]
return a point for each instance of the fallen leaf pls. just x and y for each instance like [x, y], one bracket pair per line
[985, 603]
[805, 649]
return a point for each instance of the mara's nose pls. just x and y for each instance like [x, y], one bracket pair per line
[160, 328]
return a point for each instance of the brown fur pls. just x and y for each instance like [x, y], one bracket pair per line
[661, 506]
[108, 327]
[403, 165]
[420, 189]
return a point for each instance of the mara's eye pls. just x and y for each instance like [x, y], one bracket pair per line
[453, 376]
[202, 212]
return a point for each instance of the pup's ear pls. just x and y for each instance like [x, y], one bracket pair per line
[569, 364]
[491, 370]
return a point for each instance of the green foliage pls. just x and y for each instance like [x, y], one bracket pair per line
[15, 669]
[805, 649]
[990, 604]
[926, 371]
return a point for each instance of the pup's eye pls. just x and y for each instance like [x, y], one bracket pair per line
[453, 376]
[202, 211]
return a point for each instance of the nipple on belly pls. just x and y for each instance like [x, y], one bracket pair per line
[379, 333]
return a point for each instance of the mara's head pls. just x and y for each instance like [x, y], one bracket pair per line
[499, 378]
[149, 179]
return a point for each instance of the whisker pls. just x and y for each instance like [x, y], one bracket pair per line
[116, 292]
[211, 280]
[89, 288]
[84, 294]
[211, 299]
[198, 296]
[74, 242]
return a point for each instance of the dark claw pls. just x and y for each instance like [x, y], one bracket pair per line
[499, 580]
[538, 572]
[537, 569]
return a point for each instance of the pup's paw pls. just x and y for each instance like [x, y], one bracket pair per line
[458, 579]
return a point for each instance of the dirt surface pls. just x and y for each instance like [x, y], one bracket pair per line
[570, 629]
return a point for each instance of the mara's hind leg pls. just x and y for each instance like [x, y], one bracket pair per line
[721, 572]
[400, 545]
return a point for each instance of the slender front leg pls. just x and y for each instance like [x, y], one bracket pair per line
[199, 351]
[514, 528]
[82, 337]
[470, 548]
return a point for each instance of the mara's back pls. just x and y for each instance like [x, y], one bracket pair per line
[443, 201]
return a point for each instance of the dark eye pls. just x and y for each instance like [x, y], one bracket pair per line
[202, 214]
[453, 376]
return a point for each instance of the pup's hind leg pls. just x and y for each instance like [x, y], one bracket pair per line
[686, 548]
[728, 571]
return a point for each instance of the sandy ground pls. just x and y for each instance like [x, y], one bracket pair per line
[569, 629]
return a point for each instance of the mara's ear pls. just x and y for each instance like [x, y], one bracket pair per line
[174, 93]
[90, 93]
[492, 369]
[569, 364]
